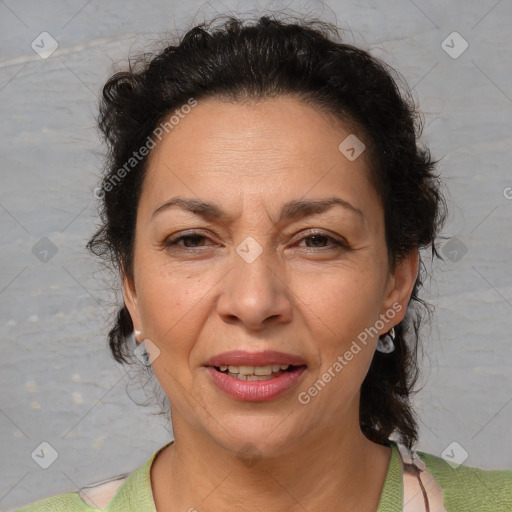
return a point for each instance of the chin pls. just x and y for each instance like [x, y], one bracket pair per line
[257, 435]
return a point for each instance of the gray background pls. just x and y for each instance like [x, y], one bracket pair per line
[58, 382]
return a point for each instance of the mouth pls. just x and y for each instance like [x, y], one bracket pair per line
[255, 376]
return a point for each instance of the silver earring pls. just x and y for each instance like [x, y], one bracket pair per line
[385, 343]
[138, 333]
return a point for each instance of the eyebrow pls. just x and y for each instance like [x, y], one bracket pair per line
[292, 210]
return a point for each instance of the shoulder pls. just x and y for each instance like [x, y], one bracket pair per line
[468, 489]
[93, 497]
[69, 502]
[131, 491]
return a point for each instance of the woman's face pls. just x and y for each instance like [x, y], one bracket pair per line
[262, 269]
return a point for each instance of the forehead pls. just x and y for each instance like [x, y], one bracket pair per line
[253, 148]
[281, 124]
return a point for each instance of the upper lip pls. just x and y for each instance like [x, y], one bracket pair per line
[264, 358]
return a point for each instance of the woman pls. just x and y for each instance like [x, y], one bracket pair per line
[265, 202]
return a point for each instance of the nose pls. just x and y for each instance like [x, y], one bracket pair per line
[255, 293]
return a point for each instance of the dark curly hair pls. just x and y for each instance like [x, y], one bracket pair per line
[239, 60]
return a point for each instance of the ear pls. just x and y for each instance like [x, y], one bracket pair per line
[130, 300]
[399, 288]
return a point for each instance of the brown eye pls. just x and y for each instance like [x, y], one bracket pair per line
[318, 238]
[323, 241]
[190, 240]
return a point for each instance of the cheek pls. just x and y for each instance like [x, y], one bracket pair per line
[174, 307]
[340, 308]
[170, 308]
[167, 296]
[344, 301]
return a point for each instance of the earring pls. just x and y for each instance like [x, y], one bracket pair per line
[385, 343]
[137, 333]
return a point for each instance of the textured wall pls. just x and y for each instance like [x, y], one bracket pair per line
[58, 382]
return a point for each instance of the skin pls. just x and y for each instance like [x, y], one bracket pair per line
[303, 296]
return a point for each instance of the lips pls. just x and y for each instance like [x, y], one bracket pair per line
[264, 358]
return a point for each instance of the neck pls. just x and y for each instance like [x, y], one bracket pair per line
[336, 469]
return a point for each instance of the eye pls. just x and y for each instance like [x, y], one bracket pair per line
[190, 240]
[319, 240]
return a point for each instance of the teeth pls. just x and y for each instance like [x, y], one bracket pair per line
[246, 370]
[239, 376]
[263, 370]
[259, 371]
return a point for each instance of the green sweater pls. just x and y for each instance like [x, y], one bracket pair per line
[465, 489]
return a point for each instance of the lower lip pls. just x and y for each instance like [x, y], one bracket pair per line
[256, 390]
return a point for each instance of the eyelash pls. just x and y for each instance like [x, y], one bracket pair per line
[171, 242]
